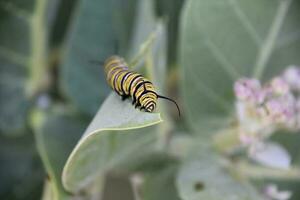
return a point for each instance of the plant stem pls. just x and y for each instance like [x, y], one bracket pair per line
[259, 172]
[37, 61]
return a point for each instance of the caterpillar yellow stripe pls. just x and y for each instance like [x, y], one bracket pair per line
[129, 84]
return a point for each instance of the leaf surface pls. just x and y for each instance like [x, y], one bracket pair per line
[205, 178]
[17, 55]
[98, 30]
[103, 147]
[222, 41]
[56, 135]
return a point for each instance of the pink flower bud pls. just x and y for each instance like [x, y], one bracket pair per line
[282, 109]
[261, 110]
[247, 89]
[279, 86]
[292, 77]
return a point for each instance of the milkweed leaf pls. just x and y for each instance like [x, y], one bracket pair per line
[109, 140]
[222, 41]
[205, 177]
[56, 134]
[20, 55]
[93, 36]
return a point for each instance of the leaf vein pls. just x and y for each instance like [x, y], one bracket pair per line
[223, 61]
[267, 48]
[210, 93]
[245, 22]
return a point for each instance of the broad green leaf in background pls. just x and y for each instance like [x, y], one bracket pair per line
[105, 144]
[21, 172]
[144, 25]
[124, 16]
[13, 103]
[205, 178]
[56, 135]
[170, 12]
[20, 52]
[222, 41]
[93, 36]
[59, 20]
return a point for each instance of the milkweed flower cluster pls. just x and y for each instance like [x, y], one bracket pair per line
[265, 108]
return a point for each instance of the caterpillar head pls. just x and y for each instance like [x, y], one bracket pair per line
[150, 107]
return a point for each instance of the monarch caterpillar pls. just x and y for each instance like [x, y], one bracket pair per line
[127, 84]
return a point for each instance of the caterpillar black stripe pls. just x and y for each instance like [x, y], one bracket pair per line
[129, 84]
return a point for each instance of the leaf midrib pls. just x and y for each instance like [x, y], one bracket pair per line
[268, 46]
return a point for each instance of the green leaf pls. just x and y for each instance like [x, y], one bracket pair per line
[161, 185]
[13, 102]
[22, 53]
[124, 15]
[21, 172]
[144, 25]
[56, 135]
[94, 36]
[170, 10]
[59, 20]
[222, 41]
[205, 178]
[102, 147]
[15, 50]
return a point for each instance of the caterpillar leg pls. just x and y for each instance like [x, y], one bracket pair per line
[137, 105]
[124, 97]
[144, 109]
[134, 102]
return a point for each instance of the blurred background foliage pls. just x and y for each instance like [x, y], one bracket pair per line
[50, 92]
